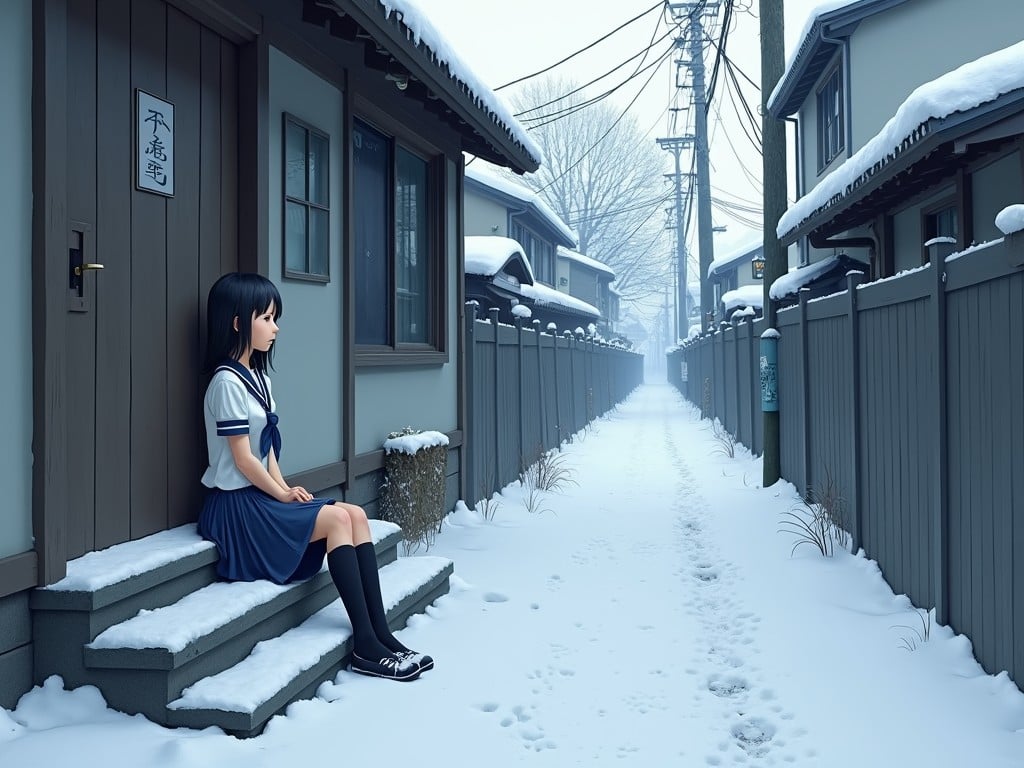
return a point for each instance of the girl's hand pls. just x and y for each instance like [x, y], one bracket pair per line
[295, 493]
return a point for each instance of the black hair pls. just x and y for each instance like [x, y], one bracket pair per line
[241, 295]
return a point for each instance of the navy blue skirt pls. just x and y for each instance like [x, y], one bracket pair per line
[259, 537]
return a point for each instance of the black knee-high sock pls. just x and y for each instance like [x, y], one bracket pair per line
[344, 568]
[367, 558]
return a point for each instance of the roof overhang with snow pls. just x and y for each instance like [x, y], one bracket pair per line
[933, 152]
[400, 39]
[517, 197]
[587, 261]
[490, 255]
[745, 253]
[816, 48]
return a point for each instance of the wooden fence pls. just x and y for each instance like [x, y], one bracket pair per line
[528, 391]
[907, 392]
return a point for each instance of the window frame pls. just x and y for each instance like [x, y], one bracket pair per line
[929, 216]
[435, 351]
[288, 273]
[832, 81]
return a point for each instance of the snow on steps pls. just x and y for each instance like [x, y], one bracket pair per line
[242, 698]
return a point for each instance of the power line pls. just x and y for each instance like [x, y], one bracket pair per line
[582, 50]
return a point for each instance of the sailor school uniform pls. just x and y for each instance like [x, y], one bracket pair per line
[257, 536]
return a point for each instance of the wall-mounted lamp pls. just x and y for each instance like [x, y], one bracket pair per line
[401, 81]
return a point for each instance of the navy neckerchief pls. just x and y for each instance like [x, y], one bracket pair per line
[270, 437]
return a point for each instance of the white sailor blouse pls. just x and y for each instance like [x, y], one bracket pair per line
[238, 402]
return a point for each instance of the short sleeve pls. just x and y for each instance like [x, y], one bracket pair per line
[230, 407]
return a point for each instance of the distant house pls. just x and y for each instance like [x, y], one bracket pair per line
[896, 145]
[737, 278]
[320, 144]
[499, 276]
[498, 207]
[589, 280]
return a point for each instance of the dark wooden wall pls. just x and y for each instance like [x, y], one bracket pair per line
[135, 387]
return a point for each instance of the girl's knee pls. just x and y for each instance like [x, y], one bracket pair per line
[356, 514]
[337, 518]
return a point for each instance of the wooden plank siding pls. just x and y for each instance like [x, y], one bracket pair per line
[938, 429]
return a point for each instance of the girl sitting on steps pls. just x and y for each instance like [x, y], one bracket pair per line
[264, 528]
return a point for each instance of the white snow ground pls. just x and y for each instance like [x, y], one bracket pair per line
[650, 615]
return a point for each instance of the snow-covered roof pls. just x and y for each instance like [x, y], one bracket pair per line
[489, 254]
[543, 294]
[415, 47]
[965, 88]
[743, 252]
[795, 279]
[486, 175]
[580, 258]
[829, 19]
[744, 296]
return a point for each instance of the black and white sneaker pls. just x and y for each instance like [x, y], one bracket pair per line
[421, 660]
[390, 667]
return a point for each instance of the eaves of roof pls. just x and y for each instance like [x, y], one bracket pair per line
[816, 51]
[491, 137]
[904, 172]
[539, 219]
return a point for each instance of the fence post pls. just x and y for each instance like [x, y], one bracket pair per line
[558, 391]
[938, 251]
[805, 393]
[755, 388]
[543, 416]
[736, 325]
[853, 279]
[522, 387]
[499, 478]
[570, 354]
[469, 455]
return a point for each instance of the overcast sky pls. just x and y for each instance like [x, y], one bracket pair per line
[505, 41]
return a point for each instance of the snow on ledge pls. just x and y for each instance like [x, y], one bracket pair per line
[415, 442]
[792, 282]
[1010, 219]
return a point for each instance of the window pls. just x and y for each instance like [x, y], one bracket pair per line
[307, 210]
[940, 221]
[399, 255]
[831, 140]
[538, 252]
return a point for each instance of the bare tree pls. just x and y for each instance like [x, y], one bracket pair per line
[605, 179]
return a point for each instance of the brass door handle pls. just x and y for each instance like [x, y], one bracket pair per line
[80, 269]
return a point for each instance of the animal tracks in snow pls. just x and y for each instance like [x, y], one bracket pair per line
[756, 729]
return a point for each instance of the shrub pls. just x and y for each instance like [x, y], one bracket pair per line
[412, 495]
[818, 520]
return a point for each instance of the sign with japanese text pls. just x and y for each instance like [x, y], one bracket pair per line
[757, 268]
[154, 148]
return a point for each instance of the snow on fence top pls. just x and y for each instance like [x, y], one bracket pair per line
[1010, 219]
[966, 87]
[744, 296]
[422, 30]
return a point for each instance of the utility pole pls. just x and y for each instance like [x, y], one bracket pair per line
[676, 145]
[774, 170]
[695, 11]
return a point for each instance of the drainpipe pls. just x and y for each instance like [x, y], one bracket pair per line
[844, 43]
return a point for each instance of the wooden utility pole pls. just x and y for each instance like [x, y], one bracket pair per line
[774, 166]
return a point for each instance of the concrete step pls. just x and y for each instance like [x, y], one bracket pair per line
[278, 671]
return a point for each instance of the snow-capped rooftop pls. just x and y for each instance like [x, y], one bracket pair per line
[580, 258]
[488, 254]
[544, 294]
[744, 296]
[486, 174]
[795, 279]
[742, 252]
[422, 30]
[965, 88]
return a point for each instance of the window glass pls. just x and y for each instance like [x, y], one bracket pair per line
[371, 167]
[411, 247]
[306, 202]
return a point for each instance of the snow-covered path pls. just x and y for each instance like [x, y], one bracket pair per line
[648, 615]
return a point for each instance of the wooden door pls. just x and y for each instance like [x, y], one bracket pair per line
[134, 328]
